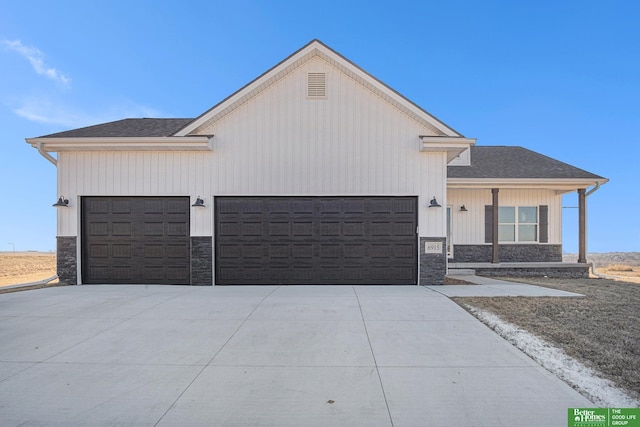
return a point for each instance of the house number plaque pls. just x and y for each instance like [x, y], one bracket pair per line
[432, 247]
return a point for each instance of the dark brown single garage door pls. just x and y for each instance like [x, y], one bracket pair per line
[316, 240]
[135, 240]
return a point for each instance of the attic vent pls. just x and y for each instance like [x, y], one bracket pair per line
[317, 85]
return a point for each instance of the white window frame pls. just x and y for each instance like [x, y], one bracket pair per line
[517, 225]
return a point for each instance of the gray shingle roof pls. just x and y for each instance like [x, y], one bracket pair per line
[500, 162]
[126, 128]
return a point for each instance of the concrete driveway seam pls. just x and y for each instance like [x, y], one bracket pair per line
[375, 362]
[214, 356]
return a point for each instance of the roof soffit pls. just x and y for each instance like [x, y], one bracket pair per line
[295, 61]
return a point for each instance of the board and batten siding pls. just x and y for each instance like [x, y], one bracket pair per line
[278, 143]
[468, 228]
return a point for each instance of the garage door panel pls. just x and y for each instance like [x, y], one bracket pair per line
[405, 251]
[135, 240]
[252, 228]
[302, 206]
[177, 228]
[98, 229]
[302, 228]
[302, 251]
[99, 251]
[154, 272]
[121, 251]
[121, 229]
[231, 251]
[380, 206]
[177, 207]
[330, 206]
[176, 273]
[229, 228]
[154, 251]
[153, 206]
[320, 240]
[330, 228]
[251, 251]
[279, 251]
[404, 206]
[121, 207]
[353, 228]
[252, 206]
[152, 229]
[404, 228]
[353, 206]
[355, 250]
[97, 206]
[276, 207]
[381, 229]
[279, 228]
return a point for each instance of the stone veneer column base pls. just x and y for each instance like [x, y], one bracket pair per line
[202, 260]
[66, 259]
[433, 266]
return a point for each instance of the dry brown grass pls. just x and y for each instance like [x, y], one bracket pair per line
[620, 272]
[26, 267]
[602, 330]
[619, 268]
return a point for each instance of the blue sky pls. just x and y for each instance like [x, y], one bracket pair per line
[558, 77]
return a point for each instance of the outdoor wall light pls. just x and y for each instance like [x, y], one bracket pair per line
[61, 203]
[199, 203]
[463, 209]
[434, 203]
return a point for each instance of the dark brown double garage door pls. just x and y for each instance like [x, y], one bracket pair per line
[316, 240]
[258, 240]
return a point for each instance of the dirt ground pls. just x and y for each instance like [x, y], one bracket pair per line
[602, 330]
[25, 267]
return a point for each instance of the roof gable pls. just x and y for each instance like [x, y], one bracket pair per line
[315, 49]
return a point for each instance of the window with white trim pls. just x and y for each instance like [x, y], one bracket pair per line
[518, 224]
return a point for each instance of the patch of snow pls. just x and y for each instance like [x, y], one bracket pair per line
[588, 382]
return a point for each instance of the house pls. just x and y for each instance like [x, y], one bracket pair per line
[313, 173]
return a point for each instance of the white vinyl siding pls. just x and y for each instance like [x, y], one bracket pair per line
[278, 143]
[468, 227]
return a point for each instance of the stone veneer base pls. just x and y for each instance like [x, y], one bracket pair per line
[508, 253]
[67, 259]
[202, 260]
[433, 267]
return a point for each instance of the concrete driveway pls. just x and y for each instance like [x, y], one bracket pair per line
[263, 355]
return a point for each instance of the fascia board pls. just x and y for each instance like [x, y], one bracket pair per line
[190, 143]
[562, 185]
[452, 145]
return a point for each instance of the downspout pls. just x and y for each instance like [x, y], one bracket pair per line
[593, 190]
[52, 159]
[45, 154]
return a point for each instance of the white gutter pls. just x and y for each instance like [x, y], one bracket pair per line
[593, 190]
[46, 155]
[167, 143]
